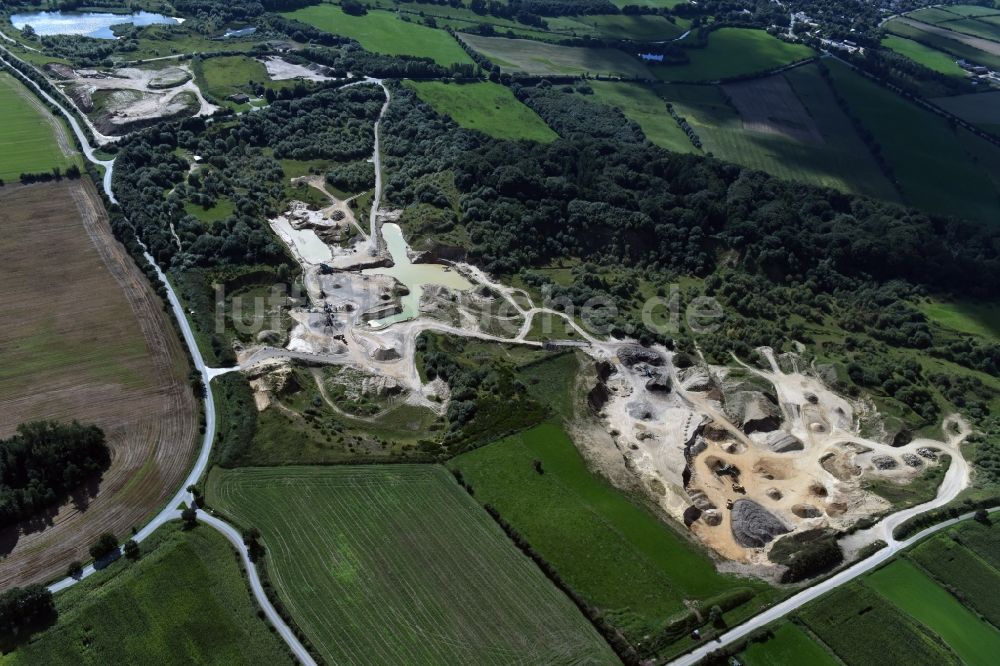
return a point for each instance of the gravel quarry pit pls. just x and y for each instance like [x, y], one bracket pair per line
[776, 442]
[119, 100]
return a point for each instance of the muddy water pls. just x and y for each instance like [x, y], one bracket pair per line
[414, 276]
[304, 243]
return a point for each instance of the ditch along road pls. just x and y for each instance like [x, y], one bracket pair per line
[955, 480]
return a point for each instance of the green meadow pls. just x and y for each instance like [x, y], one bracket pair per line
[27, 134]
[488, 107]
[734, 52]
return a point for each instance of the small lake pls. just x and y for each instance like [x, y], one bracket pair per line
[87, 24]
[414, 276]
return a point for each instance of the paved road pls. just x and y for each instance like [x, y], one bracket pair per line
[172, 511]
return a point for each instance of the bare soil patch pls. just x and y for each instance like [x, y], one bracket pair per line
[85, 337]
[770, 105]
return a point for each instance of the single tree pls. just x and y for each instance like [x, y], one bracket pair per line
[24, 610]
[190, 517]
[75, 569]
[106, 545]
[982, 516]
[131, 549]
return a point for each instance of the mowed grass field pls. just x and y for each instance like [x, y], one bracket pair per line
[225, 75]
[531, 57]
[485, 106]
[618, 556]
[795, 131]
[397, 564]
[925, 55]
[734, 52]
[385, 32]
[32, 140]
[642, 105]
[185, 601]
[938, 172]
[85, 337]
[790, 646]
[920, 597]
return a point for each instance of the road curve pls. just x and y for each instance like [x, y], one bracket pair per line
[183, 496]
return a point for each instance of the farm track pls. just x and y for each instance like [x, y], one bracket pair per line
[107, 355]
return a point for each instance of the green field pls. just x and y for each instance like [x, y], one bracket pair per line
[839, 160]
[946, 43]
[981, 319]
[954, 565]
[384, 32]
[936, 173]
[974, 641]
[642, 105]
[186, 601]
[223, 208]
[484, 106]
[982, 540]
[539, 58]
[734, 52]
[862, 628]
[397, 564]
[926, 56]
[225, 75]
[27, 140]
[620, 557]
[641, 27]
[980, 109]
[790, 646]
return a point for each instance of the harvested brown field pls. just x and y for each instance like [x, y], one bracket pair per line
[85, 337]
[770, 105]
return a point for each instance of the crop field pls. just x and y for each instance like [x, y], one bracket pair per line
[531, 57]
[983, 541]
[643, 106]
[667, 4]
[790, 646]
[184, 602]
[979, 109]
[641, 27]
[384, 32]
[485, 106]
[636, 568]
[734, 52]
[975, 49]
[397, 564]
[32, 140]
[954, 565]
[974, 641]
[926, 56]
[861, 627]
[86, 338]
[935, 173]
[839, 160]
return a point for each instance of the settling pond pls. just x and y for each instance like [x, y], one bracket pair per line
[87, 24]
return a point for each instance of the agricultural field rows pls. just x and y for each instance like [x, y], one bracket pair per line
[33, 140]
[541, 59]
[100, 351]
[185, 601]
[397, 564]
[733, 52]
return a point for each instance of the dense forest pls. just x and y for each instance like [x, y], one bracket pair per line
[43, 462]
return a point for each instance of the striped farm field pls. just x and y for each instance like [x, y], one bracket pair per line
[31, 139]
[397, 564]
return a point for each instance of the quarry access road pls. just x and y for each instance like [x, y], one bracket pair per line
[956, 480]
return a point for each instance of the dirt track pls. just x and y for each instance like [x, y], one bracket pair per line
[85, 337]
